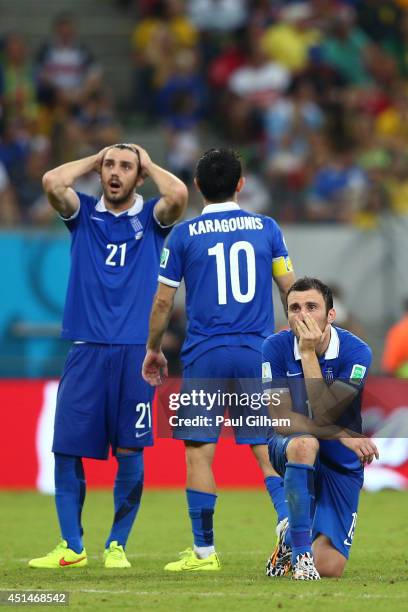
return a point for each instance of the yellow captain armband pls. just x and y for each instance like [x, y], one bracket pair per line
[281, 266]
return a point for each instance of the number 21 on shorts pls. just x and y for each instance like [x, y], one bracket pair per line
[143, 419]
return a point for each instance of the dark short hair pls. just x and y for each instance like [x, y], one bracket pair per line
[217, 174]
[306, 283]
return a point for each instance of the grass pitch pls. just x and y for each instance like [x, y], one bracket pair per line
[376, 576]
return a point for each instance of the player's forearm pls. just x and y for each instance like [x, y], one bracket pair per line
[326, 402]
[159, 320]
[300, 424]
[283, 281]
[173, 191]
[59, 179]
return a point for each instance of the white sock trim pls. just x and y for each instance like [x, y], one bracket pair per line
[203, 552]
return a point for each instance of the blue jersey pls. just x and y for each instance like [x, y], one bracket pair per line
[347, 359]
[113, 277]
[225, 257]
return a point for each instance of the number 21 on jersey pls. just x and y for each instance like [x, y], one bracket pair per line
[112, 258]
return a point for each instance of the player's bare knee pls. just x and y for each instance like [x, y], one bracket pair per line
[197, 455]
[302, 450]
[330, 563]
[331, 569]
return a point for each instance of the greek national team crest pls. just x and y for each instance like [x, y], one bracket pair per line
[328, 375]
[137, 226]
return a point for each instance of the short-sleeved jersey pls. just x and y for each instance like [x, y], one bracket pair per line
[113, 276]
[347, 359]
[225, 257]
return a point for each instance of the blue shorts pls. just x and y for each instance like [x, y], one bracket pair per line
[103, 400]
[233, 376]
[337, 493]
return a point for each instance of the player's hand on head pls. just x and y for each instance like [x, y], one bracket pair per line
[145, 161]
[99, 159]
[154, 368]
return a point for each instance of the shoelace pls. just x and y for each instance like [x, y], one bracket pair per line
[185, 553]
[116, 553]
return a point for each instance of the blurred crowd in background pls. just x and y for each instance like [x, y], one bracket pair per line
[313, 94]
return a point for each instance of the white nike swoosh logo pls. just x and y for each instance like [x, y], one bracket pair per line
[97, 219]
[347, 543]
[293, 374]
[140, 435]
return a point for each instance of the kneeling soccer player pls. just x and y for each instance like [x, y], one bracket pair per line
[320, 371]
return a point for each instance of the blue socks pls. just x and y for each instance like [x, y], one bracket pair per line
[69, 498]
[127, 493]
[299, 490]
[201, 510]
[274, 485]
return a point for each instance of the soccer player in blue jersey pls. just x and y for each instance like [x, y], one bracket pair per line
[320, 371]
[102, 399]
[227, 258]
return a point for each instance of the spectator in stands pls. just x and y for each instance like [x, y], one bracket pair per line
[30, 193]
[379, 20]
[347, 48]
[289, 125]
[182, 104]
[395, 356]
[67, 72]
[396, 43]
[18, 82]
[289, 39]
[392, 123]
[290, 121]
[255, 196]
[225, 15]
[161, 33]
[338, 189]
[253, 88]
[95, 125]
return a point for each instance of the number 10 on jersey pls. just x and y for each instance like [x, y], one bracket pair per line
[219, 252]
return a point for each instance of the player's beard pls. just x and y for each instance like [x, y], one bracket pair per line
[118, 199]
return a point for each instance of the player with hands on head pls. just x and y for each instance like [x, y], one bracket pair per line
[102, 399]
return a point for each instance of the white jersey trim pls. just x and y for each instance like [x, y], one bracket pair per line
[220, 207]
[72, 217]
[332, 351]
[136, 207]
[168, 281]
[158, 222]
